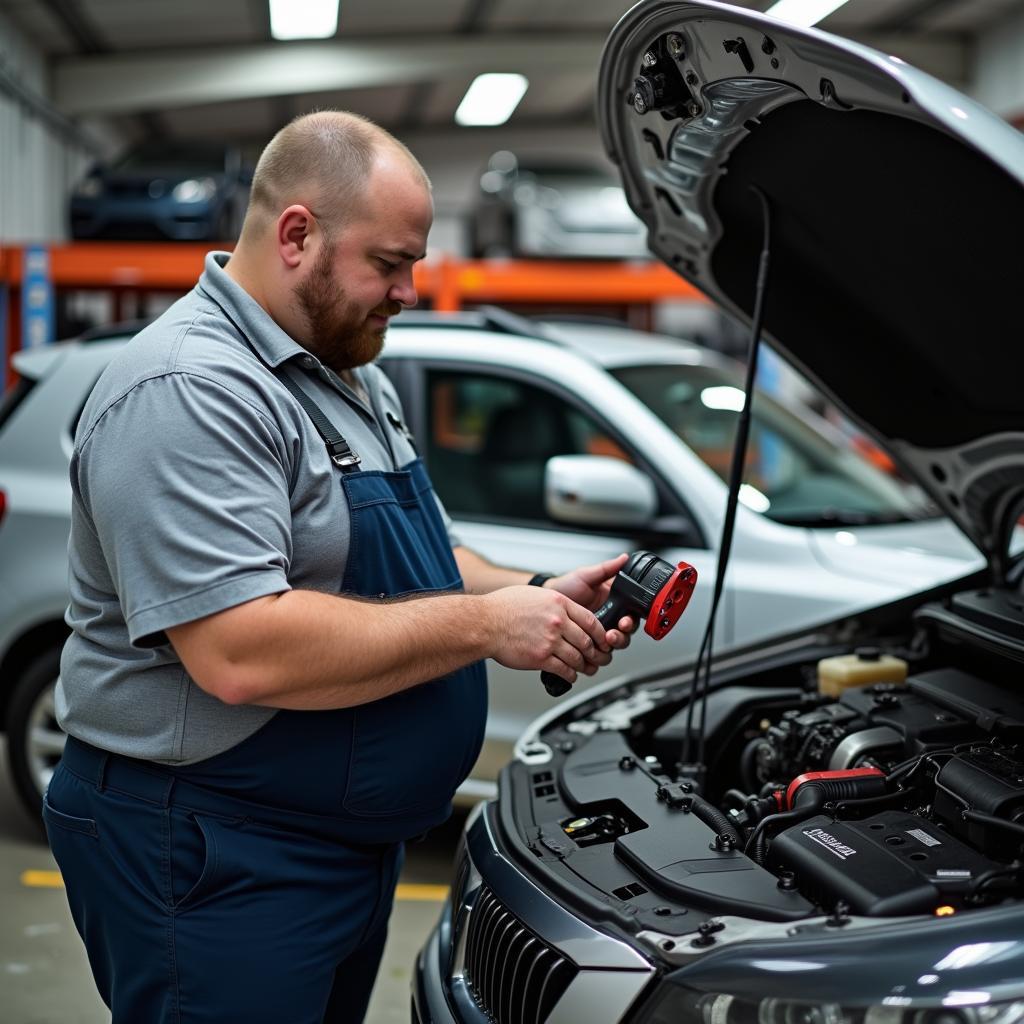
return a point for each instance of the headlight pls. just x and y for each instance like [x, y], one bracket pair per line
[89, 188]
[674, 1004]
[195, 190]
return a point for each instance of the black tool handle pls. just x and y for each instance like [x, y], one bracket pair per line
[608, 615]
[610, 612]
[555, 685]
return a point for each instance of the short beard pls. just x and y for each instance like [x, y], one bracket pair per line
[338, 333]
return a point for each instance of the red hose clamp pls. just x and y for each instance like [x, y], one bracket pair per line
[846, 773]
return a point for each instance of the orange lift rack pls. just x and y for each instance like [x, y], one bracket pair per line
[446, 283]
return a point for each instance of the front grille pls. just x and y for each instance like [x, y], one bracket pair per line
[514, 976]
[128, 189]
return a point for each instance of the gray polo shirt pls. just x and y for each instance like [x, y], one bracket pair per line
[199, 483]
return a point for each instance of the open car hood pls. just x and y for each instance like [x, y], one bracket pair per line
[897, 226]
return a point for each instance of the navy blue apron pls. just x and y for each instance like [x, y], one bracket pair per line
[256, 885]
[386, 770]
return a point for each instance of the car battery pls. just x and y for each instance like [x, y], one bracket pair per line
[892, 863]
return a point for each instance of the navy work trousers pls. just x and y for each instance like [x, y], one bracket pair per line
[193, 916]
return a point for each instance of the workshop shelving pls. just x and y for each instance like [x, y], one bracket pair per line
[446, 283]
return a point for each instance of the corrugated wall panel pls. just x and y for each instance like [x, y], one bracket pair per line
[39, 163]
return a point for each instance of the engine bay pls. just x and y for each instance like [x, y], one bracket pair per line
[876, 799]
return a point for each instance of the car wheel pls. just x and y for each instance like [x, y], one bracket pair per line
[34, 739]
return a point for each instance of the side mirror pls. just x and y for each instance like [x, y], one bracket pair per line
[595, 490]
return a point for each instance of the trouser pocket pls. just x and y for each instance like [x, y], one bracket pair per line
[192, 858]
[55, 820]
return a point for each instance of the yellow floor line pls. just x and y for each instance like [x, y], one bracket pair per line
[427, 893]
[406, 891]
[42, 879]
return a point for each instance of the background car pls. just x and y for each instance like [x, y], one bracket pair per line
[552, 446]
[555, 208]
[164, 190]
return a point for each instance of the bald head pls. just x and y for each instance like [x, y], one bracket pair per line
[322, 161]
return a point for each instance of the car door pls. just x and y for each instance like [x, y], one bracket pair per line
[486, 434]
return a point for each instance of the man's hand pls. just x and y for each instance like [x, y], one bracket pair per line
[589, 586]
[545, 630]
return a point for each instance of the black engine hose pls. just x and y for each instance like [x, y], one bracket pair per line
[870, 801]
[989, 819]
[748, 761]
[985, 880]
[715, 819]
[757, 844]
[737, 797]
[905, 771]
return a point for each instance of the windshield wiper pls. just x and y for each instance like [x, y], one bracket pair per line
[826, 517]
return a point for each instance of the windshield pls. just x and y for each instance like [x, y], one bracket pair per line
[799, 469]
[191, 159]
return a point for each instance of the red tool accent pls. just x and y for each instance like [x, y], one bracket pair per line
[846, 773]
[671, 601]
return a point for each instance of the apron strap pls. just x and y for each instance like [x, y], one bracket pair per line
[339, 451]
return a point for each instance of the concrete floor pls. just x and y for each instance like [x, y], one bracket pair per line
[44, 976]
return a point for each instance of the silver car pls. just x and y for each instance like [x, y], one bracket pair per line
[554, 209]
[552, 446]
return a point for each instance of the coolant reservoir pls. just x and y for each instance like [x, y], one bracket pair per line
[865, 666]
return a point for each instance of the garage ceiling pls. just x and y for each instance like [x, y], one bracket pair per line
[192, 68]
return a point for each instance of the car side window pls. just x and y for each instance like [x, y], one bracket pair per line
[490, 437]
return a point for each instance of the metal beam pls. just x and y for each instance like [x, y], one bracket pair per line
[416, 104]
[474, 19]
[99, 85]
[85, 34]
[475, 16]
[90, 41]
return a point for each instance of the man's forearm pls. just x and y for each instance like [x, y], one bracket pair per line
[483, 577]
[306, 650]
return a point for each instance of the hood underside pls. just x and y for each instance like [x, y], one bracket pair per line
[897, 218]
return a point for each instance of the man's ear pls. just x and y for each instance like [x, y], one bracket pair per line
[294, 227]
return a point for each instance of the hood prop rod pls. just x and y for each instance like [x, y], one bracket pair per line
[693, 766]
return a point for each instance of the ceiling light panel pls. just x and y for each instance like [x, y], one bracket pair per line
[303, 19]
[491, 99]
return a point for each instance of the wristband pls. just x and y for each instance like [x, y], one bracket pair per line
[539, 580]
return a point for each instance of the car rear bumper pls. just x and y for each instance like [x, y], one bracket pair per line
[164, 218]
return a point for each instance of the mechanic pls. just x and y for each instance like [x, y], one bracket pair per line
[275, 673]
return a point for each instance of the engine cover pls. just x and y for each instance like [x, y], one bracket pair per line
[986, 779]
[892, 863]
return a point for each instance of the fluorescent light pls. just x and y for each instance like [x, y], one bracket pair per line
[303, 19]
[491, 99]
[803, 12]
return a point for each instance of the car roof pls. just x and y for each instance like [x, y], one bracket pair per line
[602, 342]
[613, 346]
